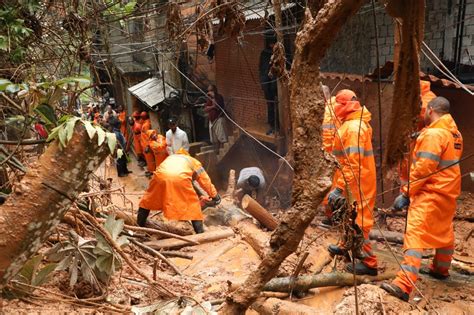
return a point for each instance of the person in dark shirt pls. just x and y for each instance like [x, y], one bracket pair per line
[269, 84]
[121, 162]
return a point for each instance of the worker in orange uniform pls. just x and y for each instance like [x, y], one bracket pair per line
[149, 156]
[137, 131]
[171, 190]
[435, 183]
[122, 116]
[426, 96]
[330, 125]
[150, 160]
[157, 144]
[353, 150]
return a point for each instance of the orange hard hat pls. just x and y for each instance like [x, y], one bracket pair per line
[144, 115]
[137, 128]
[425, 87]
[344, 96]
[136, 114]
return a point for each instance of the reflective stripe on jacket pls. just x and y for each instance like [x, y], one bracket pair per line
[435, 183]
[353, 149]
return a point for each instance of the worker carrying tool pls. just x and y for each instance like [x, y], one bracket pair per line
[356, 176]
[251, 182]
[435, 183]
[171, 190]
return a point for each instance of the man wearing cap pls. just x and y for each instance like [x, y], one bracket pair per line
[175, 137]
[356, 176]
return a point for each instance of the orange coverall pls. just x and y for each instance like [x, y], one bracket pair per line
[432, 199]
[426, 97]
[158, 147]
[353, 149]
[137, 130]
[171, 189]
[149, 157]
[144, 140]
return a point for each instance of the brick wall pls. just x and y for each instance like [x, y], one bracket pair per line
[357, 39]
[237, 77]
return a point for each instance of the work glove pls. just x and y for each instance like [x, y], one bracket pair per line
[401, 202]
[216, 200]
[334, 195]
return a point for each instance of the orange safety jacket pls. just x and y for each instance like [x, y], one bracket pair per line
[426, 97]
[434, 186]
[330, 124]
[353, 150]
[171, 188]
[146, 125]
[137, 130]
[158, 147]
[149, 157]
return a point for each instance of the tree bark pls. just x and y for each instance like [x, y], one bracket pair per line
[406, 101]
[281, 307]
[313, 170]
[42, 198]
[332, 279]
[258, 212]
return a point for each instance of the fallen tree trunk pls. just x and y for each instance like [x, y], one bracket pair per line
[43, 196]
[312, 169]
[394, 237]
[332, 279]
[258, 212]
[252, 235]
[205, 237]
[406, 101]
[169, 227]
[273, 306]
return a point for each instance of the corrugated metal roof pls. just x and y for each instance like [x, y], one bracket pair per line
[258, 12]
[151, 91]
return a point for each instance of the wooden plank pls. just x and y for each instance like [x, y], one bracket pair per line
[205, 237]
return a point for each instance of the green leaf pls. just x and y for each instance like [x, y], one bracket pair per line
[46, 113]
[62, 135]
[70, 128]
[111, 141]
[114, 227]
[105, 264]
[54, 133]
[100, 135]
[3, 43]
[73, 272]
[12, 88]
[30, 267]
[4, 82]
[89, 128]
[43, 275]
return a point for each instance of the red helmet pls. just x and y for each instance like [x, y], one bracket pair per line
[144, 115]
[136, 114]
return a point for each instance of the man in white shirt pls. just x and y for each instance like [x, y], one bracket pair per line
[251, 182]
[175, 138]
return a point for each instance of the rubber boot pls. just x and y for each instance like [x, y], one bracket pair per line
[361, 269]
[394, 290]
[142, 215]
[198, 226]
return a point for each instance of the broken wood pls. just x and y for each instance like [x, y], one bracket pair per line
[45, 193]
[406, 101]
[323, 263]
[188, 240]
[258, 212]
[273, 306]
[205, 237]
[313, 169]
[157, 254]
[169, 227]
[252, 235]
[163, 290]
[332, 279]
[230, 185]
[391, 236]
[172, 253]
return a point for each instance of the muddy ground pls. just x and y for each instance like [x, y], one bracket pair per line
[214, 266]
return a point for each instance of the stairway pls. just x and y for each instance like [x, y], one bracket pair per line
[211, 154]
